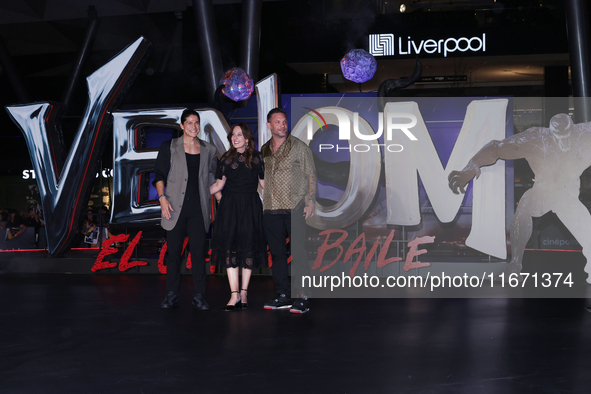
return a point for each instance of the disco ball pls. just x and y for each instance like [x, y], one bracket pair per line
[358, 66]
[237, 84]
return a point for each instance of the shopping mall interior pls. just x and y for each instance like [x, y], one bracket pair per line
[71, 328]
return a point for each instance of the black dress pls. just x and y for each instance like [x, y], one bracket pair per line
[238, 235]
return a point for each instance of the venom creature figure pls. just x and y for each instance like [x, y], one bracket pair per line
[557, 155]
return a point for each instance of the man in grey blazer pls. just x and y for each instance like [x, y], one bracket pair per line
[185, 168]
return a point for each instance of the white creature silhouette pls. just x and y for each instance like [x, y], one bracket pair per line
[557, 155]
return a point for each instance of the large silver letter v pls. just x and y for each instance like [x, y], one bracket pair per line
[64, 191]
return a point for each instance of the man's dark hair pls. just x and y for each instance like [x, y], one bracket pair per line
[188, 112]
[275, 111]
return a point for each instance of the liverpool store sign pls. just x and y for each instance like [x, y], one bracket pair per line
[391, 45]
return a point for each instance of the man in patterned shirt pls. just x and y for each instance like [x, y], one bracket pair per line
[290, 192]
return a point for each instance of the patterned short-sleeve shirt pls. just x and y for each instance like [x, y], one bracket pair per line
[288, 175]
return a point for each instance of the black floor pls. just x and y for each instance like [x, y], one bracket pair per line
[107, 334]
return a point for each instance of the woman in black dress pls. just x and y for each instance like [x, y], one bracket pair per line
[238, 240]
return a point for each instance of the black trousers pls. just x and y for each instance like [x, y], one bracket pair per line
[189, 224]
[277, 228]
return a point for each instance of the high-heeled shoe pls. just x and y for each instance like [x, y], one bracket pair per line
[244, 304]
[237, 305]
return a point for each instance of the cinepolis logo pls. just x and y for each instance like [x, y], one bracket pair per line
[362, 130]
[384, 45]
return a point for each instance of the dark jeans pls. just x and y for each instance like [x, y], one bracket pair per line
[188, 225]
[277, 228]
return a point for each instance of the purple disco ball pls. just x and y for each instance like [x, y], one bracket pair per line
[237, 84]
[358, 66]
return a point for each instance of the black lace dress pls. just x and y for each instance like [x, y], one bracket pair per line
[238, 235]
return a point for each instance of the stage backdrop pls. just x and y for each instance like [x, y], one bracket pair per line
[397, 179]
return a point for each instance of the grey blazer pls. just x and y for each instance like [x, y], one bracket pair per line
[176, 182]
